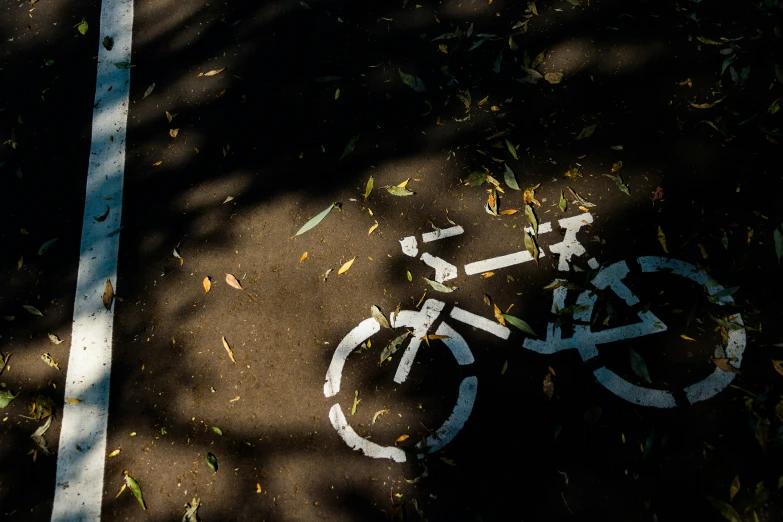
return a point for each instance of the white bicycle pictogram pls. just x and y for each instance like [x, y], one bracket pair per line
[582, 339]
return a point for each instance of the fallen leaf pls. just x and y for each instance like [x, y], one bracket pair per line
[213, 72]
[157, 163]
[148, 91]
[487, 275]
[392, 347]
[114, 453]
[207, 284]
[32, 310]
[395, 190]
[228, 349]
[538, 60]
[657, 195]
[586, 132]
[372, 228]
[707, 105]
[378, 414]
[108, 43]
[170, 116]
[123, 65]
[229, 198]
[439, 286]
[346, 266]
[639, 367]
[55, 339]
[476, 179]
[619, 182]
[734, 488]
[304, 256]
[778, 365]
[314, 221]
[562, 204]
[356, 401]
[409, 275]
[705, 40]
[233, 282]
[531, 246]
[350, 147]
[532, 219]
[617, 166]
[509, 212]
[379, 317]
[102, 217]
[46, 246]
[38, 434]
[369, 187]
[554, 77]
[173, 133]
[549, 386]
[510, 178]
[580, 199]
[512, 149]
[83, 26]
[71, 400]
[728, 512]
[724, 364]
[401, 438]
[505, 367]
[191, 509]
[492, 204]
[662, 239]
[412, 81]
[519, 323]
[212, 461]
[6, 396]
[499, 315]
[48, 360]
[337, 94]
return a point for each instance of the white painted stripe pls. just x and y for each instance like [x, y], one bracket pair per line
[444, 271]
[456, 343]
[79, 482]
[356, 442]
[481, 323]
[354, 338]
[543, 228]
[442, 234]
[457, 419]
[633, 393]
[495, 263]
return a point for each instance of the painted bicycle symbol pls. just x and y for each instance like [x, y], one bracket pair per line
[584, 339]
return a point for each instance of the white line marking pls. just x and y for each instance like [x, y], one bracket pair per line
[482, 323]
[444, 271]
[79, 482]
[633, 393]
[354, 338]
[495, 263]
[457, 419]
[356, 442]
[543, 228]
[456, 343]
[442, 234]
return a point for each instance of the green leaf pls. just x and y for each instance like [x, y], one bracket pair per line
[705, 40]
[563, 204]
[619, 181]
[136, 490]
[778, 236]
[531, 246]
[476, 179]
[314, 221]
[6, 397]
[538, 60]
[82, 27]
[217, 430]
[510, 178]
[33, 310]
[414, 82]
[512, 149]
[648, 445]
[393, 347]
[531, 217]
[728, 512]
[368, 189]
[337, 93]
[356, 401]
[716, 298]
[639, 367]
[394, 190]
[477, 44]
[49, 63]
[212, 461]
[408, 274]
[498, 61]
[586, 132]
[46, 246]
[123, 65]
[440, 287]
[728, 325]
[351, 146]
[519, 323]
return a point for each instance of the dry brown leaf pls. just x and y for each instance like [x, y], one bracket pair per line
[498, 315]
[549, 386]
[509, 212]
[228, 349]
[173, 132]
[687, 338]
[233, 282]
[554, 77]
[724, 365]
[157, 163]
[55, 339]
[707, 105]
[778, 366]
[207, 284]
[108, 295]
[346, 266]
[487, 275]
[304, 256]
[213, 72]
[170, 116]
[372, 228]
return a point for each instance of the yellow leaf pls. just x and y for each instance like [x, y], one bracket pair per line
[170, 116]
[778, 366]
[404, 183]
[706, 105]
[703, 251]
[498, 314]
[552, 371]
[505, 367]
[228, 349]
[687, 338]
[402, 438]
[70, 400]
[487, 275]
[617, 166]
[304, 256]
[372, 228]
[173, 132]
[509, 212]
[443, 48]
[157, 163]
[114, 453]
[213, 72]
[662, 239]
[346, 266]
[494, 108]
[207, 284]
[258, 487]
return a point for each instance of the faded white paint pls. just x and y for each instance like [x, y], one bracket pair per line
[356, 442]
[444, 271]
[442, 234]
[456, 421]
[570, 246]
[82, 445]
